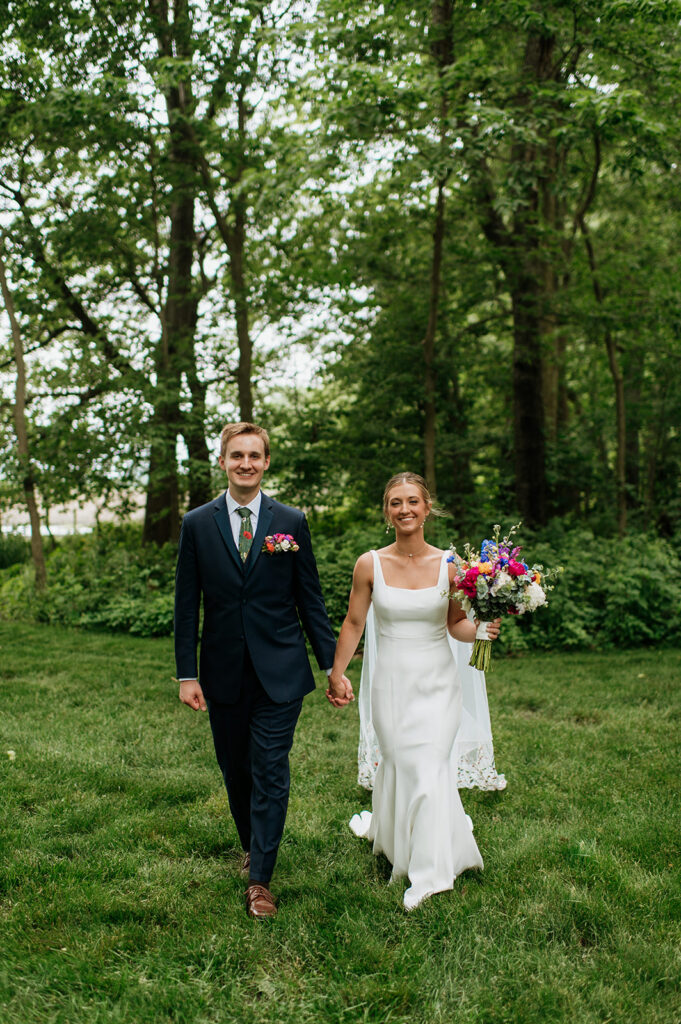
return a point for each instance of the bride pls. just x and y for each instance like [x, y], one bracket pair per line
[417, 817]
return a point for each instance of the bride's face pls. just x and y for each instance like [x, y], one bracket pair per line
[407, 508]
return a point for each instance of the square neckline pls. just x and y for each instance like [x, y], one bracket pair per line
[411, 590]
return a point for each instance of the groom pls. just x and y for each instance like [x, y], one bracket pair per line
[254, 669]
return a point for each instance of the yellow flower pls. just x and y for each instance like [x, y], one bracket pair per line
[486, 568]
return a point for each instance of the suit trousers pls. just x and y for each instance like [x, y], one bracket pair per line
[253, 739]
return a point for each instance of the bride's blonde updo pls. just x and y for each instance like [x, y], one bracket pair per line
[408, 478]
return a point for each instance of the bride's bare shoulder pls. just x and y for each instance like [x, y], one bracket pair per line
[364, 565]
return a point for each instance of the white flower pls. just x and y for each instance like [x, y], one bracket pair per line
[285, 545]
[534, 597]
[11, 755]
[501, 581]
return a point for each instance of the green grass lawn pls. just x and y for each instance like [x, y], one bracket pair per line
[120, 898]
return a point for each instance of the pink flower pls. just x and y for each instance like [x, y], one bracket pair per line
[467, 584]
[515, 568]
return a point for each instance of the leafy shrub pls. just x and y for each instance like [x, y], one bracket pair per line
[103, 580]
[336, 556]
[14, 549]
[612, 593]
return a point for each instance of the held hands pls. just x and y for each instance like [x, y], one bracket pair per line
[339, 692]
[191, 694]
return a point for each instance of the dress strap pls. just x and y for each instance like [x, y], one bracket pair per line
[378, 571]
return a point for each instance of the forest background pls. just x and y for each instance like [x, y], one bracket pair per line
[436, 236]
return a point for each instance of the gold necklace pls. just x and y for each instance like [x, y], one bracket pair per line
[410, 554]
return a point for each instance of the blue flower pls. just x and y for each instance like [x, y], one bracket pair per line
[488, 551]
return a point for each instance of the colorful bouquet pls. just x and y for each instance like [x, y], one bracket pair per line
[279, 543]
[496, 581]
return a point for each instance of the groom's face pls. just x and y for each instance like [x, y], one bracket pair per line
[244, 462]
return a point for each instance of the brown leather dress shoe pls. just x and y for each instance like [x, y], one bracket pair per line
[259, 901]
[245, 865]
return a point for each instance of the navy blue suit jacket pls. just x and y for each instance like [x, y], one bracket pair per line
[258, 605]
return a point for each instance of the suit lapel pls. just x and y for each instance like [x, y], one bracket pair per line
[264, 520]
[224, 526]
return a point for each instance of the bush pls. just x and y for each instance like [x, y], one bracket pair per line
[103, 580]
[611, 594]
[14, 549]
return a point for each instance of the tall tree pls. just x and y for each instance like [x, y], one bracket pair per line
[21, 426]
[148, 153]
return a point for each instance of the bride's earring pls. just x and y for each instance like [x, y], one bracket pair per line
[387, 528]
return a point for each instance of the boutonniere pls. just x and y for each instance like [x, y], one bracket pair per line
[278, 543]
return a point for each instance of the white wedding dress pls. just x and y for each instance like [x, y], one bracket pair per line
[411, 725]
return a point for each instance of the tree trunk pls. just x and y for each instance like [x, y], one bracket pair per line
[525, 256]
[195, 438]
[552, 213]
[442, 52]
[430, 377]
[528, 408]
[21, 426]
[178, 319]
[618, 382]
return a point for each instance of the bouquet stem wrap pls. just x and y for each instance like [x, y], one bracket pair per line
[481, 656]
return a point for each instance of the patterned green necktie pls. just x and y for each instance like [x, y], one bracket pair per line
[245, 533]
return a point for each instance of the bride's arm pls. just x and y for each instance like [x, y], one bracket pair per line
[459, 626]
[353, 624]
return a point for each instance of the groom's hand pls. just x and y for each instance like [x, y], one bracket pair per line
[339, 692]
[191, 694]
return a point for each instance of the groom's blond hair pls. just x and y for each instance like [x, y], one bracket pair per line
[231, 430]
